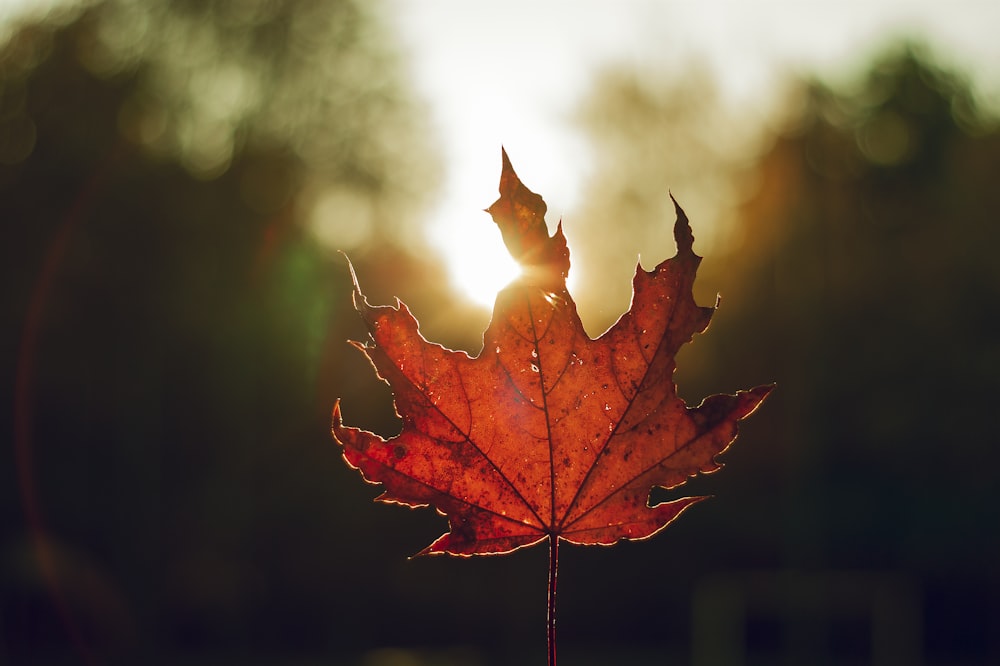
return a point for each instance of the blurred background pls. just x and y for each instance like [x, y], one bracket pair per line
[178, 176]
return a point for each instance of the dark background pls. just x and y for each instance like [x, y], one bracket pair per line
[174, 339]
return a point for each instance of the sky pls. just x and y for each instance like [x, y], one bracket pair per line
[510, 73]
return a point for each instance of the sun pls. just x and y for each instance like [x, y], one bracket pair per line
[476, 258]
[465, 236]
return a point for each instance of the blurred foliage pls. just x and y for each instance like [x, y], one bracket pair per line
[649, 132]
[202, 83]
[861, 275]
[172, 178]
[867, 282]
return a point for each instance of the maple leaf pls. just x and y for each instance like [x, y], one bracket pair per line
[547, 433]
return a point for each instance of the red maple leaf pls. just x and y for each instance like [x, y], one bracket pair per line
[547, 434]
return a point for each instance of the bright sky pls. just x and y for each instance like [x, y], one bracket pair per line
[508, 73]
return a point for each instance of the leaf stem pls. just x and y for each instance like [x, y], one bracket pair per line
[551, 617]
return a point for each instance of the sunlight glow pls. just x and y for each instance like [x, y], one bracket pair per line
[476, 257]
[466, 236]
[494, 94]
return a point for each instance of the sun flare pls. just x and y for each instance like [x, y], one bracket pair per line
[477, 260]
[469, 242]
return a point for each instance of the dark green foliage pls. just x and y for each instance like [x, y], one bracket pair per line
[861, 276]
[172, 325]
[869, 276]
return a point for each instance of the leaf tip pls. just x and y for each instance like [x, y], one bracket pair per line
[337, 423]
[350, 268]
[683, 235]
[760, 393]
[519, 213]
[357, 296]
[423, 552]
[695, 500]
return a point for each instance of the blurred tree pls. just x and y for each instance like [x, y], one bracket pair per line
[866, 277]
[173, 177]
[867, 285]
[646, 136]
[861, 276]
